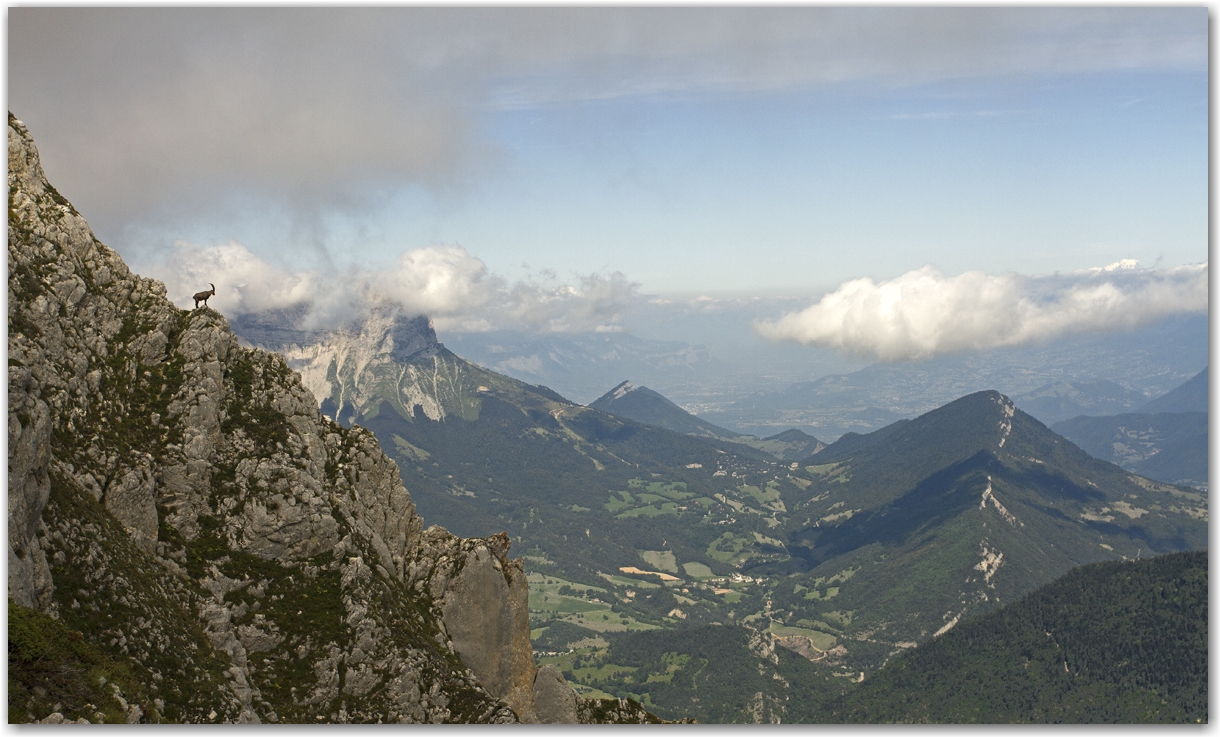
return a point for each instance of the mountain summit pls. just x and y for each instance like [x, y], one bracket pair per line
[971, 505]
[651, 408]
[644, 405]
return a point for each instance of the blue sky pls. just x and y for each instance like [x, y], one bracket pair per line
[501, 160]
[784, 192]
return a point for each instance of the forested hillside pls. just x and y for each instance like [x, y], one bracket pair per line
[1108, 642]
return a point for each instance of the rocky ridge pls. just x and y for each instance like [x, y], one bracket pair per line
[178, 503]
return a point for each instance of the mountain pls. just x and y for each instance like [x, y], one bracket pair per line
[1114, 642]
[964, 508]
[644, 405]
[1148, 361]
[1170, 447]
[650, 408]
[789, 445]
[580, 366]
[1166, 440]
[190, 540]
[1063, 399]
[874, 544]
[1189, 397]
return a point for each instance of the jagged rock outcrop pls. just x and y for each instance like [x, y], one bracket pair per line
[183, 509]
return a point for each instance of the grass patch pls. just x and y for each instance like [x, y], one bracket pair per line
[821, 640]
[633, 583]
[697, 570]
[728, 548]
[665, 508]
[661, 559]
[52, 668]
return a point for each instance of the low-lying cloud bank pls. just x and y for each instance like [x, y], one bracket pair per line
[446, 283]
[924, 313]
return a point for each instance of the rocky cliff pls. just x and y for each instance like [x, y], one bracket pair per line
[386, 360]
[191, 540]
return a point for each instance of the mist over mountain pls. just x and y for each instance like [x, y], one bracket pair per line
[1124, 366]
[581, 365]
[1191, 396]
[608, 365]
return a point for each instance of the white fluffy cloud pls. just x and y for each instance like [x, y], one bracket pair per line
[446, 283]
[244, 282]
[440, 282]
[923, 313]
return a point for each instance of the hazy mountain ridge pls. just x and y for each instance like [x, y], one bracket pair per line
[178, 503]
[1191, 396]
[1129, 368]
[651, 408]
[580, 366]
[1061, 400]
[1166, 440]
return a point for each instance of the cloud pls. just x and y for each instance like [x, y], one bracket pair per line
[439, 282]
[446, 283]
[244, 282]
[146, 113]
[923, 313]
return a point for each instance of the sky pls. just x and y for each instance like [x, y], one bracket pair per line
[554, 167]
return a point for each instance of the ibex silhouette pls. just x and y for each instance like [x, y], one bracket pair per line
[203, 296]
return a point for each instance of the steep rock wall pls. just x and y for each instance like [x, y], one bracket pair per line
[180, 502]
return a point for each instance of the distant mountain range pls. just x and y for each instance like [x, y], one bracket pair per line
[1096, 374]
[1166, 439]
[581, 366]
[1063, 399]
[1189, 397]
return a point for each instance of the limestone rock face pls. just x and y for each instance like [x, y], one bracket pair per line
[180, 502]
[388, 356]
[554, 700]
[484, 600]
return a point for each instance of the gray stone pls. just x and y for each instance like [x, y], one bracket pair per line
[554, 700]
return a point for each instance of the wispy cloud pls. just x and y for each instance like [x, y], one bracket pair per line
[923, 313]
[446, 283]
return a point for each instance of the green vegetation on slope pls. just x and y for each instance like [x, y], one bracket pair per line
[54, 669]
[1108, 642]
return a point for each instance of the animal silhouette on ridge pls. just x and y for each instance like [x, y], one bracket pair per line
[203, 296]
